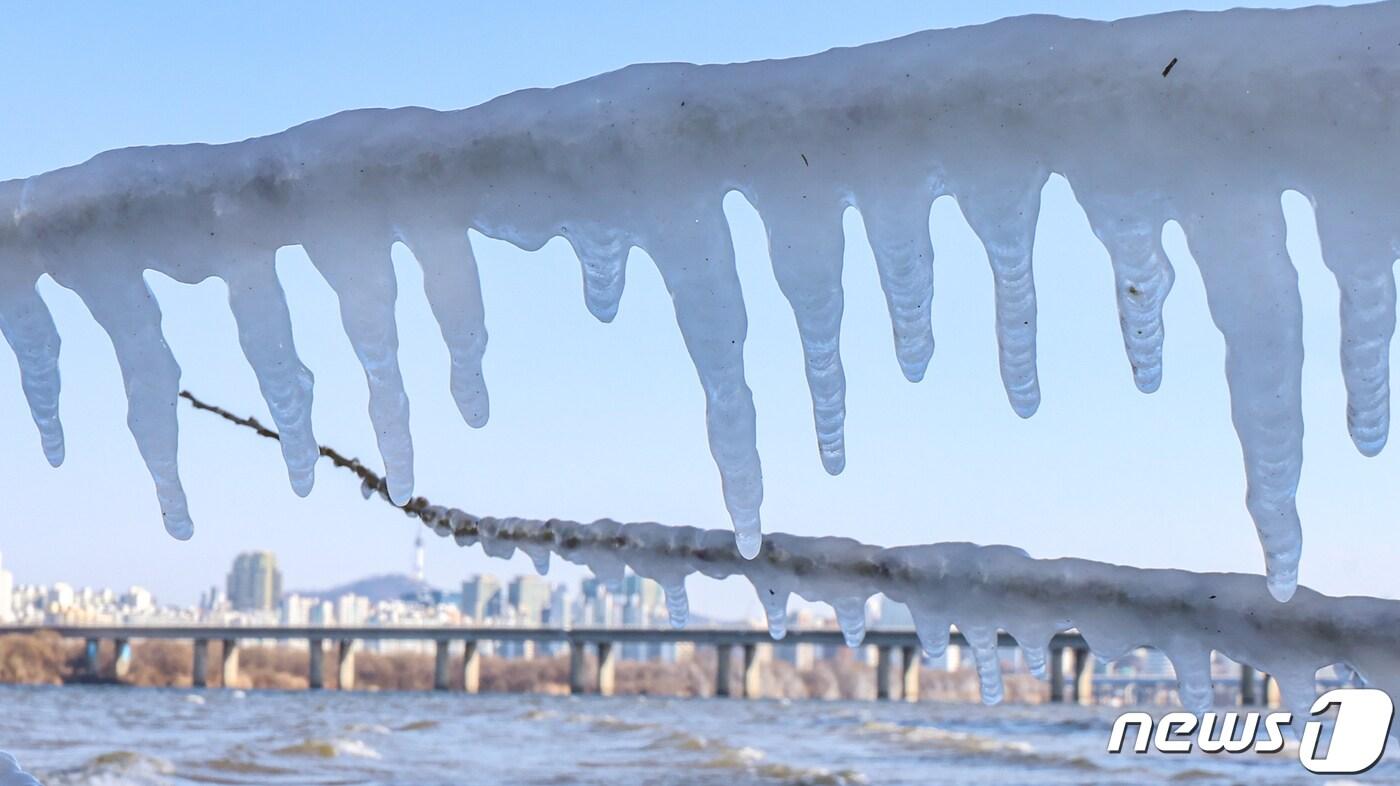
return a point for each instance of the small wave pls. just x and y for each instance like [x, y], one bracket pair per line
[680, 740]
[751, 761]
[115, 768]
[960, 741]
[245, 767]
[194, 698]
[967, 744]
[1196, 775]
[329, 749]
[368, 728]
[610, 723]
[422, 725]
[540, 715]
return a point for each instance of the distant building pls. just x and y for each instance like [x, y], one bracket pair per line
[61, 596]
[7, 593]
[255, 583]
[352, 609]
[529, 598]
[481, 597]
[322, 613]
[296, 610]
[139, 600]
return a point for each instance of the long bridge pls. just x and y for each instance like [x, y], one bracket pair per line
[1070, 664]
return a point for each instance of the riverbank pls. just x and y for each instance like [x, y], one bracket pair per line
[44, 659]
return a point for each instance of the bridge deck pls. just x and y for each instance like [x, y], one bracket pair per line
[890, 638]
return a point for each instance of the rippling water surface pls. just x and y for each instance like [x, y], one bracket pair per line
[111, 736]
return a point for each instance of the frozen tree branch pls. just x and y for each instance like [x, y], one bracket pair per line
[1254, 103]
[980, 589]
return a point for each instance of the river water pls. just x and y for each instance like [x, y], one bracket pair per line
[113, 736]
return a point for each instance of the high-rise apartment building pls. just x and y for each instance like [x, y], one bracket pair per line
[481, 597]
[529, 596]
[255, 583]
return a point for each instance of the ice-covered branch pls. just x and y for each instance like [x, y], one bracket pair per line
[980, 589]
[1258, 102]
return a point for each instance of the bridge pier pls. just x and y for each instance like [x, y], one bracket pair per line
[753, 681]
[607, 668]
[92, 661]
[121, 662]
[576, 657]
[1248, 695]
[1273, 697]
[1083, 676]
[1056, 666]
[316, 664]
[441, 660]
[471, 667]
[911, 661]
[228, 664]
[199, 670]
[345, 665]
[883, 667]
[725, 655]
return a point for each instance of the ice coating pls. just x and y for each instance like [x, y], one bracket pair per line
[11, 774]
[643, 157]
[982, 590]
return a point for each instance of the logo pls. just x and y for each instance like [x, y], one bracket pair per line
[1359, 732]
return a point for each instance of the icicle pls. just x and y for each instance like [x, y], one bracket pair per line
[1143, 276]
[696, 260]
[897, 227]
[539, 556]
[265, 333]
[1036, 658]
[775, 603]
[1368, 322]
[850, 616]
[603, 257]
[1258, 310]
[1194, 686]
[1298, 688]
[127, 310]
[363, 279]
[29, 329]
[453, 287]
[933, 630]
[806, 246]
[983, 642]
[1003, 215]
[1357, 248]
[677, 604]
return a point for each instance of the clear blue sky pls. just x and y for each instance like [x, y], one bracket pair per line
[591, 420]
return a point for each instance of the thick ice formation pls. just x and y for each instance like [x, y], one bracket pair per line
[11, 774]
[981, 590]
[1257, 102]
